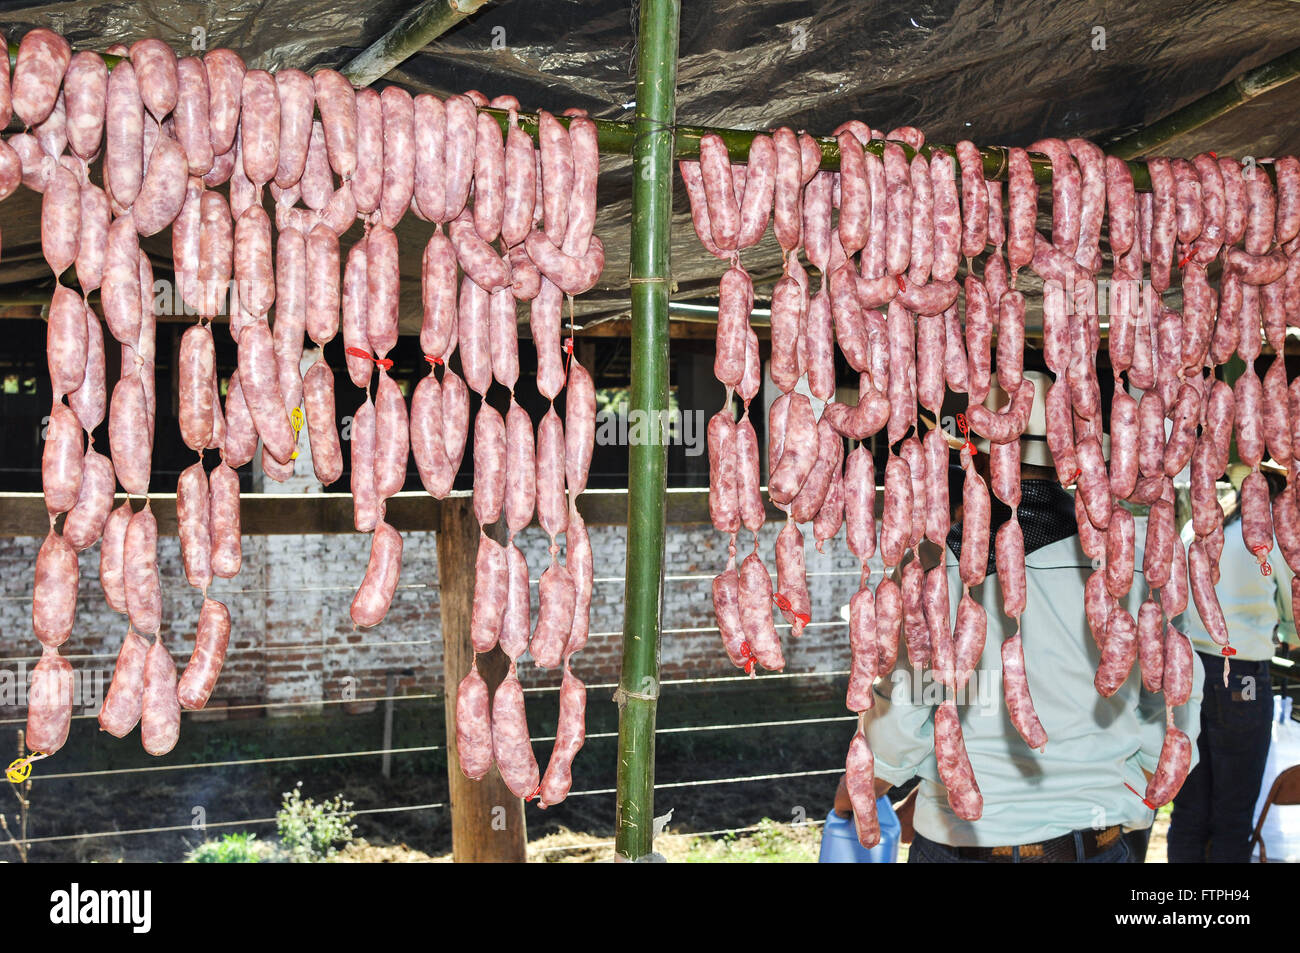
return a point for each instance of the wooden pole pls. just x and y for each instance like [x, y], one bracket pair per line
[487, 821]
[652, 207]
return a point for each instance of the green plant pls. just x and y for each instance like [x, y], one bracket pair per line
[311, 832]
[237, 848]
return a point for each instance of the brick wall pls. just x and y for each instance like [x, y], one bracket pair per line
[292, 640]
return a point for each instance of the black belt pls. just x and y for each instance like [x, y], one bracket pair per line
[1061, 849]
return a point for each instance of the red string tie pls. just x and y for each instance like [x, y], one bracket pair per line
[382, 362]
[902, 285]
[1144, 800]
[1265, 569]
[748, 657]
[536, 791]
[1228, 651]
[435, 361]
[965, 434]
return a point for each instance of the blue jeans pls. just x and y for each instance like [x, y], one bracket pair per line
[1214, 811]
[926, 851]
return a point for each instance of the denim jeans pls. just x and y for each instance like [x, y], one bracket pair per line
[926, 851]
[1214, 811]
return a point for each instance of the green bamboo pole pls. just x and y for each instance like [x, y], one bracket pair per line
[1247, 86]
[408, 36]
[649, 276]
[615, 137]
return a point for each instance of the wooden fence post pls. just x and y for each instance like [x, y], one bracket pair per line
[487, 821]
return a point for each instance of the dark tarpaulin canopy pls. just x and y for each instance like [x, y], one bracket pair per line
[999, 72]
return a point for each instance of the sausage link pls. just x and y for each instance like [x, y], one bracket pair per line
[1171, 770]
[337, 105]
[1022, 209]
[49, 703]
[544, 321]
[947, 217]
[1182, 437]
[793, 598]
[1151, 434]
[800, 454]
[977, 514]
[124, 700]
[491, 594]
[197, 372]
[510, 743]
[489, 465]
[354, 314]
[322, 432]
[954, 766]
[555, 601]
[935, 604]
[204, 667]
[570, 733]
[898, 209]
[1176, 679]
[193, 519]
[398, 114]
[860, 780]
[160, 714]
[1015, 689]
[724, 475]
[427, 438]
[1260, 212]
[719, 191]
[1124, 443]
[726, 593]
[375, 593]
[54, 594]
[140, 573]
[473, 725]
[756, 613]
[368, 182]
[974, 200]
[1120, 543]
[1151, 645]
[259, 384]
[922, 251]
[367, 508]
[60, 220]
[1164, 226]
[392, 438]
[1118, 651]
[552, 509]
[969, 634]
[1067, 194]
[42, 60]
[1201, 583]
[438, 287]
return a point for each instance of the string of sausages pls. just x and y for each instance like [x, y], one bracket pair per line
[518, 225]
[909, 224]
[518, 473]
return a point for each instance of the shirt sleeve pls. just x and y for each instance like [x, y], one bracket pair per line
[900, 732]
[1151, 720]
[1282, 575]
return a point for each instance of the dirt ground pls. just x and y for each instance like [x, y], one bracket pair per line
[770, 843]
[117, 788]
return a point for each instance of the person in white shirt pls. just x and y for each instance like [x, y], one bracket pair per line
[1073, 800]
[1214, 811]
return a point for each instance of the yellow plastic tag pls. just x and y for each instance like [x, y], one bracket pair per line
[297, 419]
[20, 770]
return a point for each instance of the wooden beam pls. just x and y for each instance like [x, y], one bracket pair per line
[487, 821]
[294, 514]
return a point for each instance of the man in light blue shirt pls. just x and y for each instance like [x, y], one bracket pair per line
[1072, 800]
[1214, 811]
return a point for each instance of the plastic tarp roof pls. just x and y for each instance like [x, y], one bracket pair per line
[1001, 72]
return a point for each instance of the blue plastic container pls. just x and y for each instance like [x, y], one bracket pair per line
[840, 839]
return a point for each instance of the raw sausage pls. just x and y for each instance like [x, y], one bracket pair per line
[375, 594]
[49, 702]
[204, 667]
[120, 712]
[54, 595]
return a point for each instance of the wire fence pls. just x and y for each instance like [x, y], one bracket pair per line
[218, 767]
